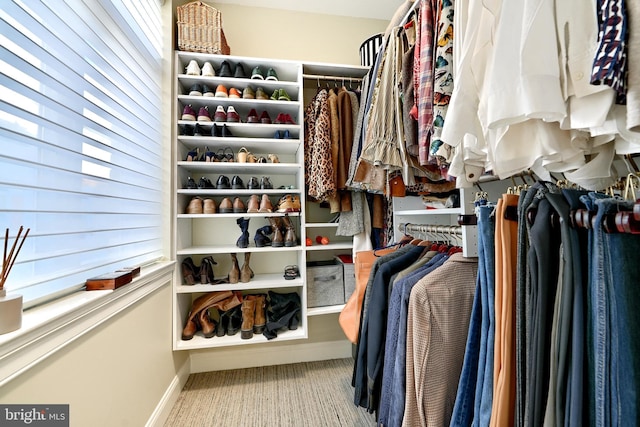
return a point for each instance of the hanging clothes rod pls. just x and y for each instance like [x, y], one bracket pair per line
[430, 228]
[332, 78]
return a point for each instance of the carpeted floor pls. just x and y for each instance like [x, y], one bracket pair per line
[302, 394]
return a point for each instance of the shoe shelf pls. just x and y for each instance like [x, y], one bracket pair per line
[321, 224]
[242, 168]
[200, 236]
[227, 249]
[286, 146]
[330, 247]
[235, 215]
[318, 311]
[242, 192]
[199, 342]
[259, 281]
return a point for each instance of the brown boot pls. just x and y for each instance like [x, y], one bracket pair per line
[278, 239]
[290, 238]
[207, 326]
[248, 314]
[246, 273]
[200, 303]
[259, 321]
[234, 273]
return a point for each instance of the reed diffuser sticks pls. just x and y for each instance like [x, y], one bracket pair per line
[9, 259]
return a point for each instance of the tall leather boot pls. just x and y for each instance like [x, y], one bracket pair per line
[243, 240]
[277, 241]
[260, 320]
[246, 273]
[290, 238]
[203, 301]
[234, 273]
[248, 316]
[207, 326]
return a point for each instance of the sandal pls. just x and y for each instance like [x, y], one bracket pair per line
[291, 272]
[274, 158]
[229, 155]
[251, 158]
[261, 160]
[243, 154]
[219, 156]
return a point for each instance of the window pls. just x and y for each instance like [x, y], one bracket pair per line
[80, 156]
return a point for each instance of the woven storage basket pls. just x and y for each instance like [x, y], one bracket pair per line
[200, 29]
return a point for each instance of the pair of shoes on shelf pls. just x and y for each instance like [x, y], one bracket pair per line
[228, 206]
[282, 134]
[256, 204]
[223, 183]
[291, 272]
[283, 311]
[221, 131]
[253, 315]
[193, 69]
[200, 90]
[283, 232]
[289, 203]
[284, 119]
[261, 94]
[238, 71]
[198, 205]
[192, 274]
[253, 117]
[258, 74]
[237, 274]
[263, 184]
[280, 95]
[222, 92]
[231, 115]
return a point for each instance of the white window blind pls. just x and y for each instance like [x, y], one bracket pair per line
[80, 143]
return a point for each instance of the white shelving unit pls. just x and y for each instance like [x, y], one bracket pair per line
[317, 218]
[200, 235]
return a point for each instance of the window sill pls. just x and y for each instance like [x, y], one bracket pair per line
[50, 327]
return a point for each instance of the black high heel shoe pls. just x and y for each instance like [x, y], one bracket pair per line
[192, 155]
[209, 155]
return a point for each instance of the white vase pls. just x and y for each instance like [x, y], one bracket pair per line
[10, 312]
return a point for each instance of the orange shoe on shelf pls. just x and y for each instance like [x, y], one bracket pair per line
[234, 93]
[221, 92]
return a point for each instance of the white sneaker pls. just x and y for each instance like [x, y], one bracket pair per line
[193, 69]
[208, 70]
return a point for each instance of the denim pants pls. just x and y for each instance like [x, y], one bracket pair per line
[616, 319]
[475, 389]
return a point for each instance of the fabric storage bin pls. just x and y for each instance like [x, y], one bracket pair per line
[349, 274]
[325, 283]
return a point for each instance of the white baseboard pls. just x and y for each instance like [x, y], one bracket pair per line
[163, 409]
[232, 358]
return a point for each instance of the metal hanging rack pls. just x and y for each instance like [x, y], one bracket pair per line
[453, 230]
[331, 78]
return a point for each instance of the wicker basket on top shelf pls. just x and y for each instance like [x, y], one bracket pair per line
[200, 29]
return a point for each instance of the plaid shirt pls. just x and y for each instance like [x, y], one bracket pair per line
[423, 75]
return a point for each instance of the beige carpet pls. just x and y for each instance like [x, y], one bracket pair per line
[302, 394]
